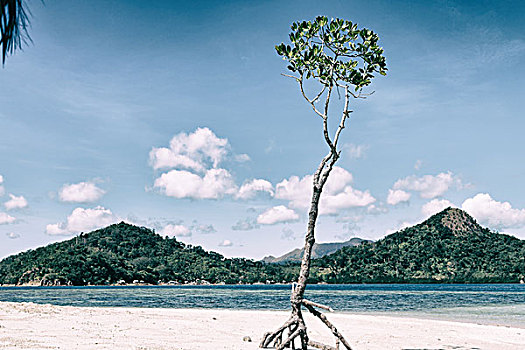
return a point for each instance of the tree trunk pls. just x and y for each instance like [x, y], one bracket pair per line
[298, 292]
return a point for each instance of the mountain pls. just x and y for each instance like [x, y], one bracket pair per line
[449, 247]
[319, 250]
[128, 253]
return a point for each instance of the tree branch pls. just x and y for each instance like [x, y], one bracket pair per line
[312, 102]
[321, 306]
[346, 114]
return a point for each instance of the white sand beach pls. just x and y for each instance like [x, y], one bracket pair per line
[34, 326]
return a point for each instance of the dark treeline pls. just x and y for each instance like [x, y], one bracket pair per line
[450, 247]
[124, 252]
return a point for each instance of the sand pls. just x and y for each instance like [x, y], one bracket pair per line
[34, 326]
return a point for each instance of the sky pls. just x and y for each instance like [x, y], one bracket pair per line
[174, 115]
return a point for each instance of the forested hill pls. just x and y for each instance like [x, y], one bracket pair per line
[126, 252]
[448, 247]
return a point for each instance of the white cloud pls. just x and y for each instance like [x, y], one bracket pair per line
[15, 202]
[277, 215]
[296, 190]
[195, 151]
[82, 220]
[183, 184]
[6, 219]
[497, 215]
[203, 228]
[337, 193]
[400, 226]
[82, 192]
[245, 225]
[376, 209]
[435, 206]
[2, 190]
[172, 230]
[428, 186]
[354, 151]
[397, 196]
[348, 198]
[418, 164]
[226, 243]
[241, 158]
[12, 235]
[251, 188]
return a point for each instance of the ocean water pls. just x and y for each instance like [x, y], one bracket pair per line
[484, 303]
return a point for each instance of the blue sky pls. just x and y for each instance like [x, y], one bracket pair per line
[89, 110]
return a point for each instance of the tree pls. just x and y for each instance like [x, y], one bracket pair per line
[338, 56]
[14, 22]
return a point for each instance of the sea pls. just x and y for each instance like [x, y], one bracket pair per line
[480, 303]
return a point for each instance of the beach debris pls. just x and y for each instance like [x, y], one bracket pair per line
[247, 338]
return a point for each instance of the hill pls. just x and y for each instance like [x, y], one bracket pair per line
[319, 250]
[449, 247]
[124, 252]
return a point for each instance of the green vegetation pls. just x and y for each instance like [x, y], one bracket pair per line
[124, 252]
[449, 247]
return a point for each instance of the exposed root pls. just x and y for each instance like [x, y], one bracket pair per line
[334, 330]
[277, 336]
[321, 306]
[321, 346]
[297, 329]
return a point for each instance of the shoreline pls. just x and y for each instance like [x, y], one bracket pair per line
[37, 285]
[38, 326]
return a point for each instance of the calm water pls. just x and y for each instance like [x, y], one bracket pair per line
[496, 302]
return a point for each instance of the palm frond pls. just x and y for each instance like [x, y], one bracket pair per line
[14, 24]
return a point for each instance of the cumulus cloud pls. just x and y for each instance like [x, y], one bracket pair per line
[12, 235]
[277, 215]
[337, 194]
[15, 202]
[245, 225]
[348, 198]
[251, 188]
[6, 219]
[226, 243]
[435, 206]
[194, 151]
[172, 230]
[81, 220]
[82, 192]
[495, 214]
[182, 184]
[428, 186]
[397, 196]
